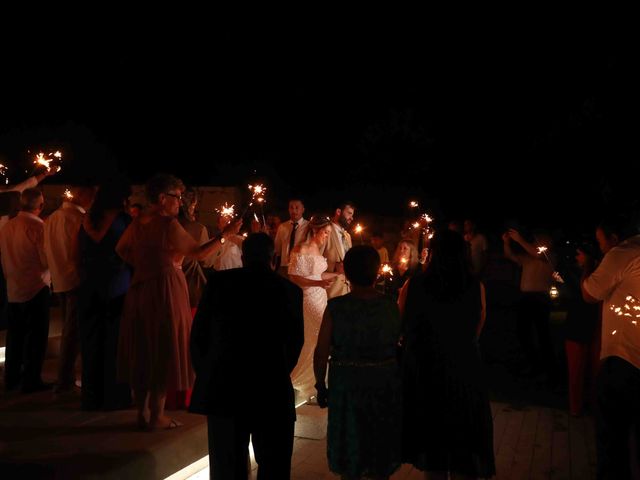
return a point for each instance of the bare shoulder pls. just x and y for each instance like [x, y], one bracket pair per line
[302, 249]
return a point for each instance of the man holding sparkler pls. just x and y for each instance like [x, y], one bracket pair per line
[63, 256]
[5, 210]
[25, 268]
[30, 182]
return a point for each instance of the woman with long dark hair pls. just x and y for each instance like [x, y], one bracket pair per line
[447, 425]
[101, 296]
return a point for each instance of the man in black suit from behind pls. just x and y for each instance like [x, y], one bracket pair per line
[245, 340]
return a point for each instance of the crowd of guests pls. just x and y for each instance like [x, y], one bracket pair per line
[155, 304]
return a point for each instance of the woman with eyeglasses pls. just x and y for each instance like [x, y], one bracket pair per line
[153, 352]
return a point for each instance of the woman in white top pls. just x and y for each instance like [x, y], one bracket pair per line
[307, 269]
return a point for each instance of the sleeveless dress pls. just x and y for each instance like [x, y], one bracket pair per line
[447, 416]
[314, 303]
[365, 393]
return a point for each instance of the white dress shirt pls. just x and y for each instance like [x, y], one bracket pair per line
[282, 239]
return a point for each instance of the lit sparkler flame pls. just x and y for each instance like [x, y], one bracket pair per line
[541, 250]
[257, 192]
[226, 211]
[359, 228]
[3, 172]
[413, 204]
[386, 270]
[426, 218]
[404, 260]
[46, 161]
[67, 194]
[416, 225]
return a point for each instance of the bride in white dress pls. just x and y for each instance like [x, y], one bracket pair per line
[307, 270]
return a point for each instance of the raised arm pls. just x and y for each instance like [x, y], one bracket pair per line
[508, 252]
[186, 245]
[529, 248]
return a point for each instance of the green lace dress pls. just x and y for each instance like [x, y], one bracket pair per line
[364, 430]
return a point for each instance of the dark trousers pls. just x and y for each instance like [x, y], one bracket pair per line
[27, 335]
[229, 448]
[70, 342]
[534, 309]
[617, 418]
[99, 322]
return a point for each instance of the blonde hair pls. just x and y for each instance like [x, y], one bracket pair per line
[413, 255]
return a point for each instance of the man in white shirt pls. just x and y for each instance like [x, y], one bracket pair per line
[5, 210]
[290, 234]
[616, 282]
[25, 268]
[63, 257]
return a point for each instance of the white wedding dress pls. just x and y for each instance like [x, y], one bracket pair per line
[314, 303]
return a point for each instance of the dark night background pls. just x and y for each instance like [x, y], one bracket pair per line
[494, 124]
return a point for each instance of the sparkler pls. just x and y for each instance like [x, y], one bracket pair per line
[3, 172]
[359, 228]
[413, 204]
[257, 196]
[386, 272]
[67, 194]
[46, 161]
[424, 224]
[226, 211]
[258, 192]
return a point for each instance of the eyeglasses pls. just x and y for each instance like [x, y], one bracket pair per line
[177, 196]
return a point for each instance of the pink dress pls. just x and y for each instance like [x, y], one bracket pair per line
[153, 350]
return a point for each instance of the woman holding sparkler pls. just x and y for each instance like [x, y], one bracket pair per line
[307, 270]
[405, 265]
[153, 353]
[534, 304]
[447, 427]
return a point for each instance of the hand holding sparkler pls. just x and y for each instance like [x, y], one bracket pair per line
[51, 162]
[358, 230]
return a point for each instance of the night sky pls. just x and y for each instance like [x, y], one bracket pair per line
[497, 127]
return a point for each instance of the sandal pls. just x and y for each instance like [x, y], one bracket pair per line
[172, 425]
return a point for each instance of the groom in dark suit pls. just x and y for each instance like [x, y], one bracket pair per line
[245, 341]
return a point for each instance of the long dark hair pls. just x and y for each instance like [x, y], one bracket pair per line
[448, 274]
[110, 196]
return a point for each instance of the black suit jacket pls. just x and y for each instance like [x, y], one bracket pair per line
[245, 341]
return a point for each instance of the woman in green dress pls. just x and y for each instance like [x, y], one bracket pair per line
[359, 333]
